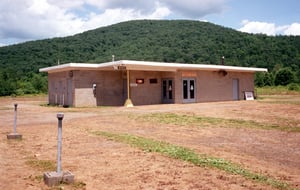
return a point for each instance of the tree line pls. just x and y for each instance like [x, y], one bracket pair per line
[178, 41]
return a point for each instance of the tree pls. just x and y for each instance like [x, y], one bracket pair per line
[39, 83]
[259, 79]
[268, 79]
[284, 77]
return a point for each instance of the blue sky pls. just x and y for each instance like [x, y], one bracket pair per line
[26, 20]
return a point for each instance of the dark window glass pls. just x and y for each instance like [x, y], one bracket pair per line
[164, 89]
[192, 89]
[185, 89]
[153, 81]
[170, 88]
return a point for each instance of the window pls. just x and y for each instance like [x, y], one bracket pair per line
[153, 81]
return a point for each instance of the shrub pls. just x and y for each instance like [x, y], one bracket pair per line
[284, 77]
[294, 87]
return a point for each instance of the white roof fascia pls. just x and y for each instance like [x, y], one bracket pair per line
[181, 66]
[69, 66]
[148, 66]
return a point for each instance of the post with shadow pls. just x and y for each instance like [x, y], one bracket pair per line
[14, 134]
[57, 177]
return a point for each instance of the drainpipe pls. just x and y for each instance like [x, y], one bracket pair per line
[222, 60]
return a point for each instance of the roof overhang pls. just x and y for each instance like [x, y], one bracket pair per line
[147, 66]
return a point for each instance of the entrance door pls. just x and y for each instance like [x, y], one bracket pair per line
[235, 89]
[69, 93]
[189, 90]
[167, 91]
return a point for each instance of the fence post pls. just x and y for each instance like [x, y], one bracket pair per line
[60, 117]
[15, 119]
[58, 177]
[15, 135]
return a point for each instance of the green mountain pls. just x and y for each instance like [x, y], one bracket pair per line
[181, 41]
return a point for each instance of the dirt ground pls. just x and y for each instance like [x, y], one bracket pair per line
[98, 163]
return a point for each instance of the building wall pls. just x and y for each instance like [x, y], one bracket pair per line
[76, 88]
[109, 88]
[215, 86]
[58, 91]
[146, 93]
[178, 87]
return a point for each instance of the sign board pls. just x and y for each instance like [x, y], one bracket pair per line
[133, 84]
[189, 74]
[249, 96]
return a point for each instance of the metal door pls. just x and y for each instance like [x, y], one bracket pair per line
[189, 90]
[69, 93]
[235, 89]
[167, 91]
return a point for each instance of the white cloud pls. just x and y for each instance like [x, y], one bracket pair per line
[35, 19]
[271, 29]
[144, 7]
[31, 19]
[110, 16]
[195, 8]
[293, 29]
[67, 4]
[258, 27]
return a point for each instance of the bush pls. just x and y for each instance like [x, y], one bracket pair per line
[284, 77]
[294, 87]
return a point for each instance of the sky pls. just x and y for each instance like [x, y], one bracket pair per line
[27, 20]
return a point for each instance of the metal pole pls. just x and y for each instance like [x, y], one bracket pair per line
[128, 85]
[223, 60]
[15, 121]
[60, 117]
[128, 102]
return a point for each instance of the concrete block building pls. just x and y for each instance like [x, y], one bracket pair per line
[142, 83]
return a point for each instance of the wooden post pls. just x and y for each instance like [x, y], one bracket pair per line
[128, 102]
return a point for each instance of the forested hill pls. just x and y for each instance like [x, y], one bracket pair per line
[153, 40]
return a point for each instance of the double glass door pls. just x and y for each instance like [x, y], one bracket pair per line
[189, 90]
[167, 91]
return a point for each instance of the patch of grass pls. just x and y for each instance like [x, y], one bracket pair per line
[38, 178]
[75, 185]
[191, 120]
[5, 108]
[188, 155]
[42, 165]
[79, 185]
[280, 99]
[49, 165]
[275, 90]
[281, 102]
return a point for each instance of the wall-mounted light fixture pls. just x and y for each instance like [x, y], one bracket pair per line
[94, 86]
[139, 81]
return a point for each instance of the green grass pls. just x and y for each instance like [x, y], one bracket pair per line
[275, 90]
[188, 155]
[280, 99]
[49, 165]
[6, 108]
[192, 120]
[42, 165]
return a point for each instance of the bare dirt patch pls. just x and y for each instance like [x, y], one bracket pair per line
[99, 163]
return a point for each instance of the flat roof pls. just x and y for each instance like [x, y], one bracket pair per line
[147, 66]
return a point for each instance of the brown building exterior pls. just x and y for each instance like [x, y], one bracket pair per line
[144, 83]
